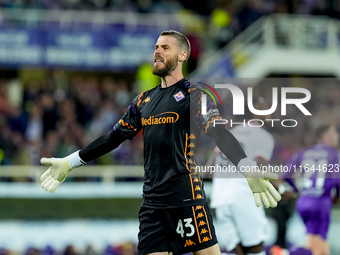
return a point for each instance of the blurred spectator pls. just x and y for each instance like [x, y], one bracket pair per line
[91, 106]
[89, 250]
[167, 6]
[144, 6]
[122, 95]
[109, 250]
[223, 23]
[144, 78]
[196, 49]
[48, 251]
[327, 7]
[249, 13]
[34, 130]
[32, 251]
[4, 100]
[17, 119]
[70, 250]
[50, 116]
[7, 145]
[62, 118]
[127, 248]
[4, 251]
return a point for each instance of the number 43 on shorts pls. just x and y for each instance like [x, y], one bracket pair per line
[188, 229]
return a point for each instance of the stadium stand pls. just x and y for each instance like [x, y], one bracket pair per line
[54, 100]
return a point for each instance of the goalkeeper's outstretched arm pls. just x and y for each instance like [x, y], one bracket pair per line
[264, 192]
[61, 167]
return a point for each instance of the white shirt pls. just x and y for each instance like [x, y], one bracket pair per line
[228, 186]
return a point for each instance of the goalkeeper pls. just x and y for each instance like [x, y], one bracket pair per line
[174, 216]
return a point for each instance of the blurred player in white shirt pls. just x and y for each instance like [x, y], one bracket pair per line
[241, 225]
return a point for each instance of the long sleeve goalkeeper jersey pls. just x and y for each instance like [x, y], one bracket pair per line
[172, 122]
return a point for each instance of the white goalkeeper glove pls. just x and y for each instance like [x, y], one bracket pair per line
[59, 169]
[264, 192]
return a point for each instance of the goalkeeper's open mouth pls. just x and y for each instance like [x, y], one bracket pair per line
[158, 61]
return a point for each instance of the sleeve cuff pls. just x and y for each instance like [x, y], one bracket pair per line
[75, 160]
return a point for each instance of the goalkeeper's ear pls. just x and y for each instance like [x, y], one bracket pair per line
[182, 56]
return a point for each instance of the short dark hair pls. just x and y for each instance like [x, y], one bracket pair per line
[182, 41]
[321, 130]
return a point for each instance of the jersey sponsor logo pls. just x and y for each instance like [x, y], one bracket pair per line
[205, 239]
[190, 153]
[192, 136]
[179, 96]
[189, 243]
[200, 215]
[199, 207]
[199, 196]
[146, 100]
[204, 231]
[202, 223]
[162, 118]
[191, 145]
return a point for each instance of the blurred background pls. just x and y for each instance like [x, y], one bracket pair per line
[69, 69]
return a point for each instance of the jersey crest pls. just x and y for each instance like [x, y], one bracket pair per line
[179, 96]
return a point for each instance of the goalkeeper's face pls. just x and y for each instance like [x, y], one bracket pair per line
[165, 56]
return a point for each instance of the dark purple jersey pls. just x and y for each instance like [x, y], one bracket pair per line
[314, 172]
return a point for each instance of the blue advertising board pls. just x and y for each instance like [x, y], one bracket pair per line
[107, 48]
[21, 47]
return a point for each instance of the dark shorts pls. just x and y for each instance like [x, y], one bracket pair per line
[178, 230]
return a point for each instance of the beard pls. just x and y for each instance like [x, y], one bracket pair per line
[169, 66]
